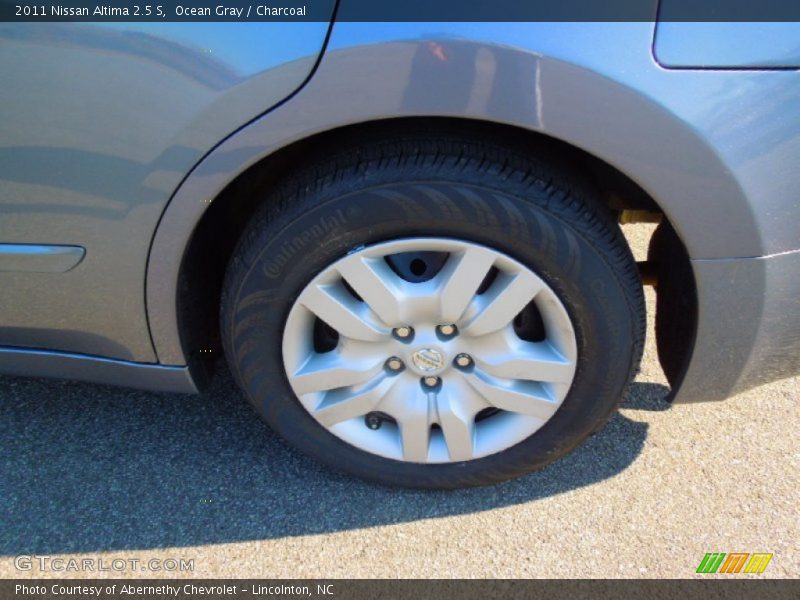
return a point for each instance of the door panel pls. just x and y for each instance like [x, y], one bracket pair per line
[99, 123]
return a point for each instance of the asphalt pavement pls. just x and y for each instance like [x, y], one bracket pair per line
[89, 471]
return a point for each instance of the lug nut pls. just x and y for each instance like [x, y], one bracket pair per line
[394, 364]
[403, 332]
[430, 381]
[463, 360]
[447, 330]
[373, 421]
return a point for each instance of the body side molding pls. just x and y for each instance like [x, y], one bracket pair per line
[36, 258]
[94, 369]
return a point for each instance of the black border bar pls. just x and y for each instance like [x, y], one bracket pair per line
[410, 589]
[400, 10]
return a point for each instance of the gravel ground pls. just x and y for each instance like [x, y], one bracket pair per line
[99, 472]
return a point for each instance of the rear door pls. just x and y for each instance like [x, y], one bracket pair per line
[99, 123]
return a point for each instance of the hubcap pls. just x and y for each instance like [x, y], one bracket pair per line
[476, 381]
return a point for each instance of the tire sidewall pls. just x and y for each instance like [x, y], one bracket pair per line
[522, 221]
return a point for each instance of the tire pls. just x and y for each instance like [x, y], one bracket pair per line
[414, 185]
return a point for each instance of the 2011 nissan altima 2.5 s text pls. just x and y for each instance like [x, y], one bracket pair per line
[402, 237]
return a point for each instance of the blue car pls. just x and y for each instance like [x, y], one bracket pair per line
[402, 237]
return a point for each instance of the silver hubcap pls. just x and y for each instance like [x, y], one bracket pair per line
[433, 371]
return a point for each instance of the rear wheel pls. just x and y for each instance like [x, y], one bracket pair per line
[433, 312]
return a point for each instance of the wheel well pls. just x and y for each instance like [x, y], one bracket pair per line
[215, 237]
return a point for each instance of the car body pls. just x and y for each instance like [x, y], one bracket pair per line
[122, 146]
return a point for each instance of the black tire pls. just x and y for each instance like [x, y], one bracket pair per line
[496, 195]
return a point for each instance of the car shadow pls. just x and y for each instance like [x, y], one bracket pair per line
[89, 468]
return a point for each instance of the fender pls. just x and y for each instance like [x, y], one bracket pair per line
[598, 95]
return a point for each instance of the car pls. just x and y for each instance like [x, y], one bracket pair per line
[403, 238]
